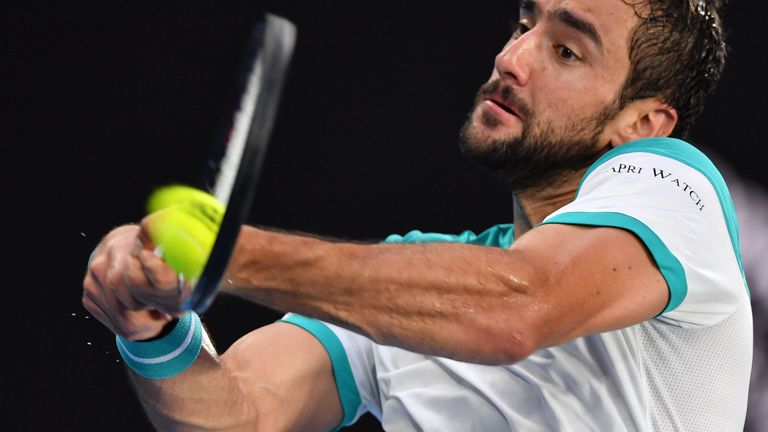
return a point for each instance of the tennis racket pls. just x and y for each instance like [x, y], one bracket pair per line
[232, 171]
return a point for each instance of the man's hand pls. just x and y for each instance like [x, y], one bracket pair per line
[279, 377]
[128, 287]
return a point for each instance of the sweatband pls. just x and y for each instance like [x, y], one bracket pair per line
[167, 356]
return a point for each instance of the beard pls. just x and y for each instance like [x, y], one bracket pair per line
[539, 155]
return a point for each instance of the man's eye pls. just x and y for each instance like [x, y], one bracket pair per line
[565, 53]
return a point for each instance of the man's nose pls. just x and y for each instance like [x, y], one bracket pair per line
[513, 63]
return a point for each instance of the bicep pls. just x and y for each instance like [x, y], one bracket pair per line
[287, 375]
[591, 280]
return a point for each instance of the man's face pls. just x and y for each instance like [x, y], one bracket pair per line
[554, 88]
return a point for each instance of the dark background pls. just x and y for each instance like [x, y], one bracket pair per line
[104, 101]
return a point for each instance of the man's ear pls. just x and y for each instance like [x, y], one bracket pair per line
[645, 118]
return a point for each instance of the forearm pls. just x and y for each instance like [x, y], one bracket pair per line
[442, 299]
[205, 397]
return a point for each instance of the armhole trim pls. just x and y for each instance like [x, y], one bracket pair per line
[668, 264]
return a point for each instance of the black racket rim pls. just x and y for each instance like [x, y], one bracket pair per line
[272, 43]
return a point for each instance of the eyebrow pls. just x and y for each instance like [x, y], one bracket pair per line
[569, 19]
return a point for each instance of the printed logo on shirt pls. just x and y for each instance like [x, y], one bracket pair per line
[661, 175]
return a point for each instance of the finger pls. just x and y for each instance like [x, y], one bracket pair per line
[132, 325]
[97, 312]
[159, 274]
[96, 300]
[91, 256]
[111, 275]
[96, 262]
[114, 314]
[93, 306]
[136, 324]
[139, 325]
[136, 284]
[141, 287]
[115, 281]
[168, 286]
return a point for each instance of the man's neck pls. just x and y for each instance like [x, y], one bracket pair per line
[532, 206]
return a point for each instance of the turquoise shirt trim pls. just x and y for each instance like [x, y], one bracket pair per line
[496, 236]
[502, 235]
[668, 264]
[687, 154]
[342, 372]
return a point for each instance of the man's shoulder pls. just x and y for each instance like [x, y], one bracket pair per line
[661, 149]
[653, 164]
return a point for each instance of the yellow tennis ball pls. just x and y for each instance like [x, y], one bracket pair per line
[171, 195]
[183, 223]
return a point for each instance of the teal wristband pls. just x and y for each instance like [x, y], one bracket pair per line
[168, 356]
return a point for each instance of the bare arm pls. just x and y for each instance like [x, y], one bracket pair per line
[277, 378]
[466, 302]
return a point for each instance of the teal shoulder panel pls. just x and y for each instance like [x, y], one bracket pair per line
[687, 154]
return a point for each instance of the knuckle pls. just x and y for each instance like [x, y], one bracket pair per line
[88, 284]
[128, 302]
[95, 269]
[88, 304]
[135, 282]
[113, 278]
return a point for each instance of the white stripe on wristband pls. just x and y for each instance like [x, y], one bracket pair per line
[168, 356]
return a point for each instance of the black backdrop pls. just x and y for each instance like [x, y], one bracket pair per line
[105, 101]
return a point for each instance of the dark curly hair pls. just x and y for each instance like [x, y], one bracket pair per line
[677, 54]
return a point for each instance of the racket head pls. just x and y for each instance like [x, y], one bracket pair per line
[233, 169]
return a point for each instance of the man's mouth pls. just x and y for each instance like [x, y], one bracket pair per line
[499, 102]
[500, 110]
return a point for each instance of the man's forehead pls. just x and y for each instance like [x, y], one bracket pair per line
[616, 9]
[613, 19]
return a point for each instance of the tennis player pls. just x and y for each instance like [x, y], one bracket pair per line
[615, 302]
